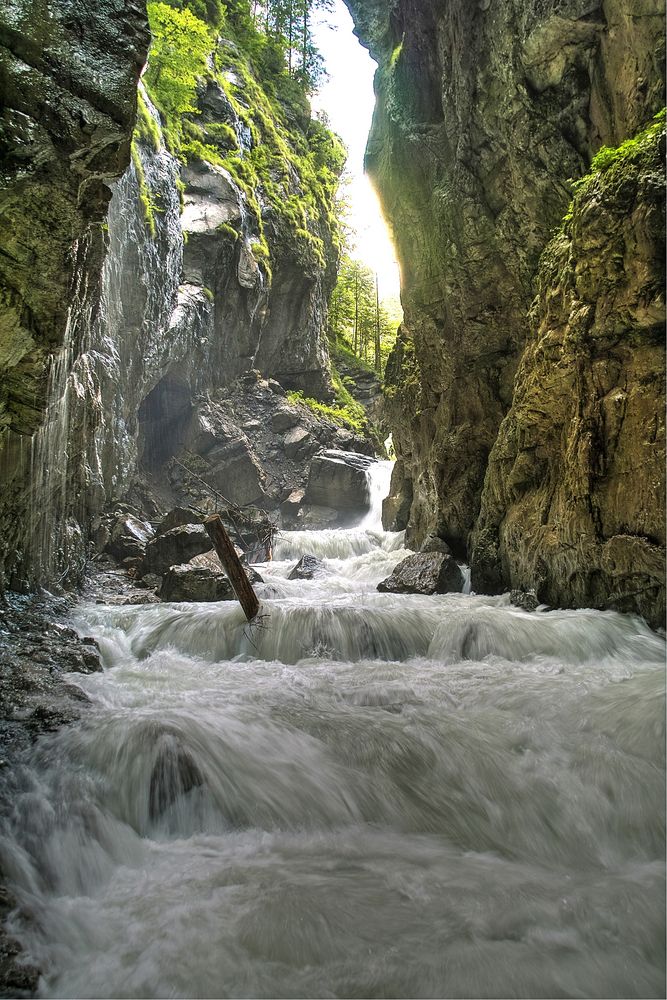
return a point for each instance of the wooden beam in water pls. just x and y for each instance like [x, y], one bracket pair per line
[232, 566]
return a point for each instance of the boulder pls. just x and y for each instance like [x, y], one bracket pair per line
[337, 479]
[316, 518]
[297, 443]
[290, 507]
[129, 537]
[433, 543]
[424, 573]
[524, 599]
[306, 568]
[284, 418]
[175, 547]
[176, 517]
[195, 583]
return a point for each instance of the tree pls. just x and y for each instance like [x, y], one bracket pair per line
[180, 47]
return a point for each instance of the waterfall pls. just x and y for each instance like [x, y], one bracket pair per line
[363, 795]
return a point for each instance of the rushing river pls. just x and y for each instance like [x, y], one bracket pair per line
[369, 796]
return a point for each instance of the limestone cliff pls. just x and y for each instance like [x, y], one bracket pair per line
[68, 76]
[574, 501]
[485, 114]
[219, 254]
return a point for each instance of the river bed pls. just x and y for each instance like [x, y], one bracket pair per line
[369, 795]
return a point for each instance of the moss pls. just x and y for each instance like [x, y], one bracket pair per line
[609, 161]
[224, 227]
[396, 55]
[146, 129]
[347, 412]
[145, 199]
[288, 170]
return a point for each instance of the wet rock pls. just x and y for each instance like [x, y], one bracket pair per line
[472, 218]
[193, 583]
[313, 517]
[573, 505]
[151, 580]
[175, 773]
[129, 537]
[337, 479]
[433, 543]
[175, 547]
[424, 573]
[524, 599]
[307, 567]
[298, 443]
[290, 507]
[175, 518]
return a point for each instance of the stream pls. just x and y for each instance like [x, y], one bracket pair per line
[368, 795]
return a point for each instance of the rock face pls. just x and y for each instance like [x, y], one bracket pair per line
[70, 98]
[69, 104]
[573, 504]
[424, 573]
[338, 480]
[473, 148]
[186, 302]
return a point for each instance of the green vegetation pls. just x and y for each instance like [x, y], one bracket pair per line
[609, 161]
[146, 128]
[362, 329]
[346, 412]
[265, 66]
[147, 205]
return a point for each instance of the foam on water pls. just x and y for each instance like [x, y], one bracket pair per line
[374, 795]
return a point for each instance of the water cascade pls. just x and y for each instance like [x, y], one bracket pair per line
[369, 795]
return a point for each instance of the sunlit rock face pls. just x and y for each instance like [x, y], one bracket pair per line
[166, 299]
[485, 113]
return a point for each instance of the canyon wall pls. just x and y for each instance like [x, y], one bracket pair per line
[486, 113]
[217, 255]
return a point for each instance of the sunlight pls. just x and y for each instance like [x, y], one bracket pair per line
[348, 100]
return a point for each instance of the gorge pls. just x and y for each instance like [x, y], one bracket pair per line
[372, 793]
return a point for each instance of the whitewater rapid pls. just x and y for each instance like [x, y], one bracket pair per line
[371, 795]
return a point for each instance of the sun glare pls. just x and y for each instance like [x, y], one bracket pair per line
[348, 100]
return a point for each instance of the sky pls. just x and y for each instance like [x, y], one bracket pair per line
[347, 98]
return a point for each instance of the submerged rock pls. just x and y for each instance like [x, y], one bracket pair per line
[175, 773]
[424, 573]
[524, 599]
[307, 567]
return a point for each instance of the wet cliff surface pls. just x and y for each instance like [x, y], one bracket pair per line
[213, 260]
[69, 82]
[485, 114]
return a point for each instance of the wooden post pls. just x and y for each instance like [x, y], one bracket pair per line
[232, 566]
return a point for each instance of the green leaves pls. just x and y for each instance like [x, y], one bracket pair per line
[180, 47]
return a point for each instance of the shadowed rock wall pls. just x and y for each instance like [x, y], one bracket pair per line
[485, 113]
